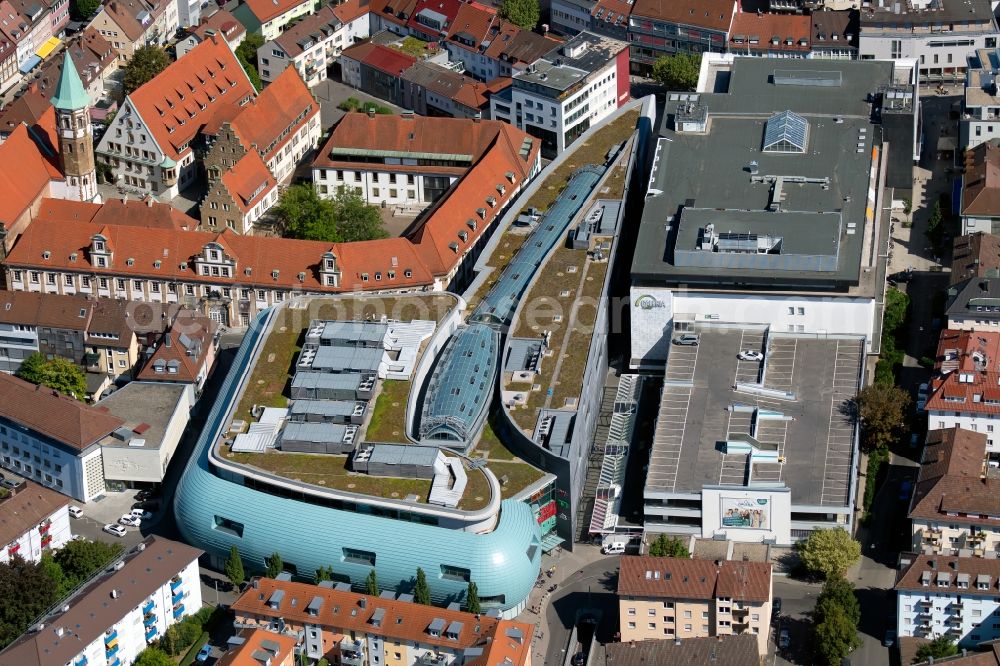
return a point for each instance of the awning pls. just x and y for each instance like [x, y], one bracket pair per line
[29, 64]
[550, 541]
[48, 47]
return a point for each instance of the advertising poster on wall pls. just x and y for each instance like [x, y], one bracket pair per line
[749, 513]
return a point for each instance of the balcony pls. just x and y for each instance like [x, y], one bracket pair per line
[954, 621]
[178, 610]
[44, 528]
[151, 633]
[111, 652]
[110, 635]
[82, 662]
[741, 612]
[956, 605]
[149, 620]
[177, 598]
[352, 652]
[432, 659]
[175, 582]
[148, 607]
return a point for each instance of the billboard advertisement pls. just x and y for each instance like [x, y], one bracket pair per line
[749, 513]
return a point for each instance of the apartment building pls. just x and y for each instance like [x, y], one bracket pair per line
[185, 354]
[253, 647]
[953, 597]
[120, 612]
[963, 393]
[980, 121]
[374, 69]
[731, 651]
[664, 27]
[33, 519]
[979, 202]
[314, 44]
[954, 509]
[835, 34]
[770, 35]
[971, 305]
[942, 34]
[220, 23]
[269, 17]
[131, 24]
[672, 598]
[975, 255]
[239, 197]
[149, 143]
[561, 95]
[489, 47]
[96, 61]
[52, 439]
[345, 627]
[570, 17]
[610, 18]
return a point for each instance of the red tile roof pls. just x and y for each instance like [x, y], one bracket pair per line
[128, 212]
[942, 573]
[615, 12]
[186, 345]
[350, 10]
[323, 23]
[382, 58]
[249, 181]
[710, 14]
[25, 508]
[448, 8]
[764, 27]
[244, 654]
[26, 109]
[126, 14]
[188, 95]
[46, 411]
[981, 182]
[272, 119]
[404, 621]
[968, 364]
[677, 578]
[952, 481]
[25, 170]
[70, 312]
[265, 10]
[975, 255]
[395, 11]
[222, 22]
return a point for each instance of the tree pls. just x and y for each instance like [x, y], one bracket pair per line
[882, 410]
[940, 647]
[838, 591]
[275, 565]
[32, 369]
[371, 584]
[897, 307]
[81, 10]
[835, 637]
[324, 573]
[80, 559]
[522, 13]
[828, 553]
[234, 568]
[66, 377]
[52, 569]
[347, 218]
[677, 72]
[26, 592]
[146, 63]
[152, 656]
[246, 54]
[356, 220]
[421, 591]
[472, 598]
[665, 546]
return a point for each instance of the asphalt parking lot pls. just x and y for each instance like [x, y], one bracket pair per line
[330, 93]
[108, 509]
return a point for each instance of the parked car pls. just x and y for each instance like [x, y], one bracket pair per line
[140, 514]
[784, 640]
[890, 638]
[129, 520]
[687, 340]
[116, 530]
[204, 653]
[750, 355]
[75, 511]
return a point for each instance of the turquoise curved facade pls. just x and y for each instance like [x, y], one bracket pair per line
[215, 513]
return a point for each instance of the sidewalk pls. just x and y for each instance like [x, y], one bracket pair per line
[567, 567]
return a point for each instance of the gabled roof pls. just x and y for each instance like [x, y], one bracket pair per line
[523, 47]
[981, 182]
[67, 312]
[184, 348]
[384, 59]
[47, 412]
[835, 29]
[968, 364]
[312, 29]
[27, 109]
[128, 212]
[222, 22]
[975, 255]
[257, 642]
[738, 650]
[129, 15]
[952, 480]
[682, 578]
[272, 119]
[975, 296]
[25, 170]
[70, 95]
[710, 14]
[396, 11]
[190, 93]
[615, 12]
[265, 10]
[249, 180]
[446, 9]
[25, 508]
[750, 26]
[460, 88]
[942, 575]
[351, 10]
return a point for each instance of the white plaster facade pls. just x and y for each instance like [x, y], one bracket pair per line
[51, 533]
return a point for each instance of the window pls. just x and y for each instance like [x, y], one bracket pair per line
[362, 557]
[449, 572]
[687, 616]
[228, 526]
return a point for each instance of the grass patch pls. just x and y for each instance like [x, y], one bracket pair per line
[193, 652]
[509, 245]
[273, 370]
[489, 444]
[615, 184]
[584, 152]
[388, 419]
[519, 475]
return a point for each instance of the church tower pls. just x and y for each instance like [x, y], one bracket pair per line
[76, 141]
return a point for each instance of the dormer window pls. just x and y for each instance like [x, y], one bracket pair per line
[213, 255]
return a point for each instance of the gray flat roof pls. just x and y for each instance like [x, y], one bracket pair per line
[324, 407]
[339, 359]
[349, 381]
[360, 331]
[697, 414]
[937, 12]
[151, 403]
[571, 62]
[711, 172]
[314, 432]
[402, 454]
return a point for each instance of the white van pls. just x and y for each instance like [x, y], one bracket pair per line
[614, 544]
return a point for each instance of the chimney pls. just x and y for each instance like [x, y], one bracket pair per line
[166, 339]
[371, 113]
